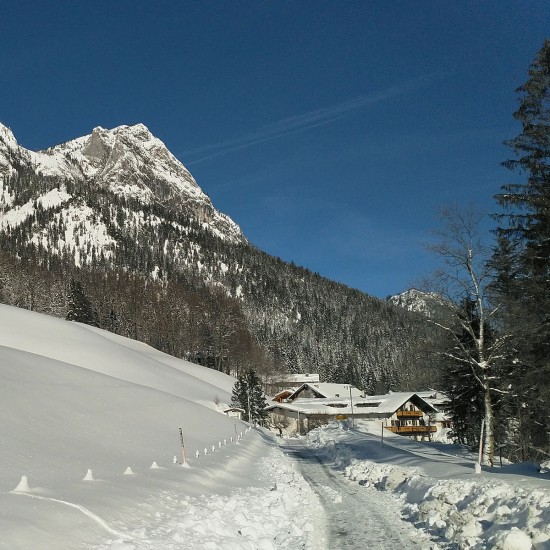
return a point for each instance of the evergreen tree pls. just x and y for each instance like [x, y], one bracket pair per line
[522, 259]
[460, 384]
[249, 395]
[80, 307]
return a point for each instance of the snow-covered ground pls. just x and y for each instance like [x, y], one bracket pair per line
[438, 490]
[88, 434]
[89, 430]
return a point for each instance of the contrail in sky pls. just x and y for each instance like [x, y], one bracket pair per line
[300, 123]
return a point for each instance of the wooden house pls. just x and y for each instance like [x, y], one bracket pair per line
[401, 412]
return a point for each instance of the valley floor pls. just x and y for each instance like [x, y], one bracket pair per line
[334, 489]
[91, 422]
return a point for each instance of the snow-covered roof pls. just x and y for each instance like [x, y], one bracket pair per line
[390, 402]
[375, 405]
[434, 396]
[314, 406]
[326, 390]
[338, 390]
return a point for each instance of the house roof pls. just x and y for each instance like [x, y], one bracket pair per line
[326, 390]
[436, 398]
[342, 390]
[376, 405]
[390, 402]
[282, 394]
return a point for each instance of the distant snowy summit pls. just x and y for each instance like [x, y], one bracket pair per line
[417, 301]
[128, 161]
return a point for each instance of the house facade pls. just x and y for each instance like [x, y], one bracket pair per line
[442, 419]
[401, 413]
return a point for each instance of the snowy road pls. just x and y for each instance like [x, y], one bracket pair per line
[357, 517]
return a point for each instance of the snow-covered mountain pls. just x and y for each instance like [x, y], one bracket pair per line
[117, 211]
[427, 303]
[128, 163]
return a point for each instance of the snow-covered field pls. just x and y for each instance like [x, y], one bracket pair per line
[88, 434]
[438, 490]
[89, 431]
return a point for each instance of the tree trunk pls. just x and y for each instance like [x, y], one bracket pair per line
[489, 442]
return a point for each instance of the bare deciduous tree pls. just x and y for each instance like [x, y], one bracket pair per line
[462, 287]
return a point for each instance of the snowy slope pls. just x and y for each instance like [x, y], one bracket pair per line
[76, 399]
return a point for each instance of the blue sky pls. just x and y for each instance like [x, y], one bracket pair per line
[331, 132]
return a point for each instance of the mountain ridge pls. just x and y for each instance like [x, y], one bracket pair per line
[129, 162]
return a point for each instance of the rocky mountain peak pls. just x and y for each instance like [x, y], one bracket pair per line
[7, 139]
[126, 161]
[133, 163]
[415, 300]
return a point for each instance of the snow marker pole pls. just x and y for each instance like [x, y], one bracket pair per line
[182, 446]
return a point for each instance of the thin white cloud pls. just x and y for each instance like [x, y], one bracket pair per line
[300, 123]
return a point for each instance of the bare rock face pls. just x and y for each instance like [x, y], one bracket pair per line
[9, 151]
[133, 163]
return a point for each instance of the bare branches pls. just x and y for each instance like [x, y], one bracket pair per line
[462, 284]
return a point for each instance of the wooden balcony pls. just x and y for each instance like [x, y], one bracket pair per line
[412, 430]
[410, 414]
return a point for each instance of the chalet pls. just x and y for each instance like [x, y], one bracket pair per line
[401, 412]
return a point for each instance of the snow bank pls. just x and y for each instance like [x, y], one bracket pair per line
[471, 512]
[267, 518]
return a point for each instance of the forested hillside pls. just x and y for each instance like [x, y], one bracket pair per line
[180, 276]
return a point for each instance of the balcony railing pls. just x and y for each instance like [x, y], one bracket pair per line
[410, 414]
[411, 429]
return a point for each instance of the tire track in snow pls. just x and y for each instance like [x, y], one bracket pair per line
[358, 517]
